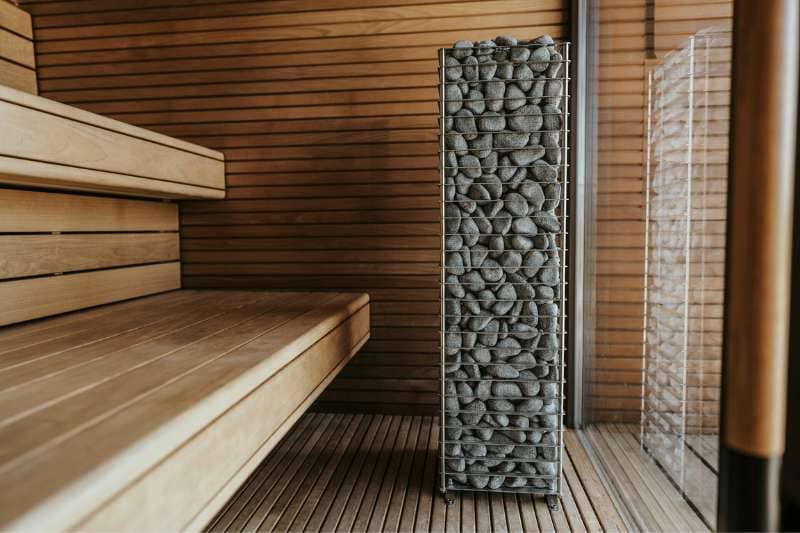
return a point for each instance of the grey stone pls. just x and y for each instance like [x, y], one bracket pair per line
[505, 70]
[469, 231]
[500, 406]
[451, 164]
[485, 48]
[530, 315]
[505, 297]
[527, 118]
[454, 288]
[523, 76]
[466, 203]
[505, 40]
[477, 254]
[505, 170]
[452, 98]
[543, 171]
[552, 194]
[470, 68]
[530, 387]
[552, 147]
[479, 193]
[515, 435]
[525, 157]
[503, 389]
[488, 337]
[520, 54]
[521, 242]
[546, 221]
[551, 118]
[527, 453]
[470, 166]
[530, 405]
[507, 347]
[486, 68]
[501, 222]
[452, 69]
[463, 87]
[487, 298]
[546, 469]
[516, 204]
[502, 420]
[524, 359]
[554, 69]
[511, 261]
[539, 59]
[454, 263]
[462, 49]
[491, 121]
[453, 242]
[540, 241]
[482, 355]
[532, 263]
[479, 476]
[452, 218]
[514, 98]
[450, 401]
[492, 184]
[534, 193]
[452, 340]
[484, 434]
[524, 331]
[464, 392]
[457, 143]
[502, 445]
[481, 147]
[495, 92]
[464, 123]
[484, 390]
[473, 446]
[522, 422]
[495, 482]
[550, 390]
[473, 281]
[470, 304]
[549, 275]
[457, 465]
[463, 183]
[515, 482]
[474, 102]
[475, 411]
[489, 163]
[491, 271]
[453, 428]
[552, 92]
[548, 317]
[502, 371]
[544, 39]
[537, 92]
[543, 292]
[548, 347]
[477, 323]
[484, 226]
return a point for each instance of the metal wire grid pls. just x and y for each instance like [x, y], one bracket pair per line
[676, 194]
[534, 482]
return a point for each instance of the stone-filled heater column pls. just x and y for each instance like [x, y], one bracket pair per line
[503, 114]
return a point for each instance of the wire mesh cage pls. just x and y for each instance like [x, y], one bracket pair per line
[686, 190]
[503, 160]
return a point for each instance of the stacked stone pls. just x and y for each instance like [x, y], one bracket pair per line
[503, 125]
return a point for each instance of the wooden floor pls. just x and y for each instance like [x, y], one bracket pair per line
[359, 472]
[654, 502]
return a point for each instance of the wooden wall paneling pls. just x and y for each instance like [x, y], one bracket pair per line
[17, 59]
[62, 252]
[327, 115]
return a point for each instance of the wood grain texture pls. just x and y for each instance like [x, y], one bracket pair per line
[46, 212]
[49, 143]
[359, 472]
[36, 255]
[194, 374]
[327, 114]
[760, 250]
[29, 298]
[17, 59]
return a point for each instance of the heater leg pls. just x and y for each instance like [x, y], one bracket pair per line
[552, 502]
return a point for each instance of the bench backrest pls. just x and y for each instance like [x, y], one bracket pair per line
[62, 252]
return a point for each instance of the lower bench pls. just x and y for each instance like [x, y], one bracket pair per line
[148, 414]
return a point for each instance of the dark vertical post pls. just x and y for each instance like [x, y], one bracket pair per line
[758, 263]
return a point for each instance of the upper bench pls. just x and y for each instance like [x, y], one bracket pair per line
[52, 145]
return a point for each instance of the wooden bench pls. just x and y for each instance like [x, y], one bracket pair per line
[127, 403]
[148, 414]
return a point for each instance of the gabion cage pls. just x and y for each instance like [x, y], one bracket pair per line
[503, 160]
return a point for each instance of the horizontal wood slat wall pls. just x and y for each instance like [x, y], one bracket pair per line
[62, 252]
[615, 366]
[17, 58]
[326, 111]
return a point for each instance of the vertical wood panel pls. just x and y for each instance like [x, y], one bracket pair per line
[327, 114]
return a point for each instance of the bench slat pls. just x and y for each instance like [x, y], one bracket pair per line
[154, 411]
